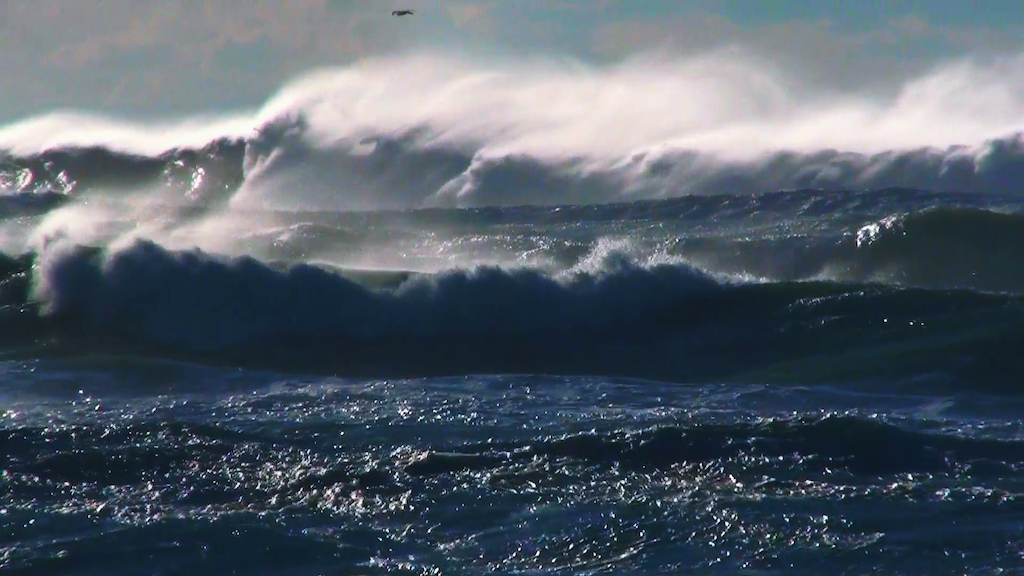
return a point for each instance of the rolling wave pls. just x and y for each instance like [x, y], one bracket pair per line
[937, 247]
[946, 247]
[664, 321]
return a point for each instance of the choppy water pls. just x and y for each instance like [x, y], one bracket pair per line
[252, 473]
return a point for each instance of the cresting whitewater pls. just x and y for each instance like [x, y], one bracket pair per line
[424, 316]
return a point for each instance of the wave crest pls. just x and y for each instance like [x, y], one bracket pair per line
[946, 247]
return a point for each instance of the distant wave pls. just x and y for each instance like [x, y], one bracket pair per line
[668, 322]
[397, 174]
[211, 172]
[422, 130]
[944, 247]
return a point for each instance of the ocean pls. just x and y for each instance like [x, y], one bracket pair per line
[288, 352]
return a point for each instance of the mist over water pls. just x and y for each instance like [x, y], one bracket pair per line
[433, 314]
[434, 130]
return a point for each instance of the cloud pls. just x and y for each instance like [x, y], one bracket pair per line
[476, 15]
[578, 5]
[177, 56]
[174, 53]
[196, 31]
[823, 52]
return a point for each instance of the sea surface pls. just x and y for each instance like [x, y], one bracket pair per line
[813, 378]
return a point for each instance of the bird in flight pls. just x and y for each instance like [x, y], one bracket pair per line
[402, 12]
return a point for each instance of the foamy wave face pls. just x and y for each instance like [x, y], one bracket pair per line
[435, 130]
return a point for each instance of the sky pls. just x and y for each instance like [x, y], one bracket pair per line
[168, 58]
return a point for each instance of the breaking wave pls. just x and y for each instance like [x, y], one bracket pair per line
[429, 130]
[663, 321]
